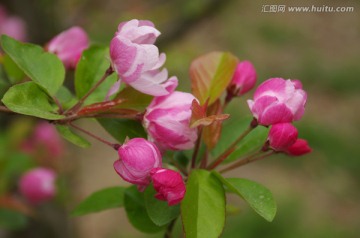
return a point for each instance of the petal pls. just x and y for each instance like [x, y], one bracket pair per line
[275, 113]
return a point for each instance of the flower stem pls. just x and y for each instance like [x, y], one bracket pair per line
[197, 147]
[247, 160]
[114, 146]
[169, 229]
[4, 109]
[78, 105]
[232, 147]
[178, 166]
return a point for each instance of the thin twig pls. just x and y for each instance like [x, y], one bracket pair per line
[232, 147]
[169, 229]
[196, 149]
[4, 109]
[178, 166]
[247, 160]
[115, 146]
[78, 105]
[57, 102]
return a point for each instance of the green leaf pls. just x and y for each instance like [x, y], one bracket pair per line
[203, 208]
[43, 68]
[210, 75]
[4, 86]
[65, 97]
[89, 71]
[133, 99]
[12, 220]
[29, 99]
[101, 200]
[66, 132]
[256, 195]
[14, 73]
[231, 131]
[136, 211]
[122, 128]
[159, 211]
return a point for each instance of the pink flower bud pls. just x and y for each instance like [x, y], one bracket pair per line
[169, 185]
[136, 59]
[46, 136]
[277, 100]
[137, 157]
[282, 135]
[243, 79]
[167, 121]
[300, 147]
[69, 45]
[38, 185]
[12, 26]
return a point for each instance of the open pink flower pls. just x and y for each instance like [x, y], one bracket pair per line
[136, 59]
[243, 80]
[300, 147]
[137, 157]
[69, 45]
[167, 121]
[12, 26]
[38, 185]
[169, 185]
[277, 100]
[282, 135]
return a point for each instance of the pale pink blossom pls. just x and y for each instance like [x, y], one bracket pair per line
[136, 59]
[243, 80]
[277, 100]
[282, 135]
[137, 157]
[38, 185]
[167, 121]
[69, 45]
[12, 26]
[169, 185]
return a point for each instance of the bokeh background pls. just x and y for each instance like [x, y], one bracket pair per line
[318, 195]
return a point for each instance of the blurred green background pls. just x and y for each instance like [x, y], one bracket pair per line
[318, 195]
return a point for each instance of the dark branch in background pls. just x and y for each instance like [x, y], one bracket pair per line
[181, 26]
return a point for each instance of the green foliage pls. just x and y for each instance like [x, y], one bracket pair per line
[122, 128]
[66, 132]
[14, 73]
[257, 196]
[45, 69]
[89, 70]
[203, 208]
[133, 99]
[136, 211]
[65, 97]
[101, 200]
[232, 130]
[210, 75]
[12, 220]
[159, 211]
[29, 99]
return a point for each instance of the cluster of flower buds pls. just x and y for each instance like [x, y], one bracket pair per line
[140, 162]
[277, 103]
[137, 61]
[12, 25]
